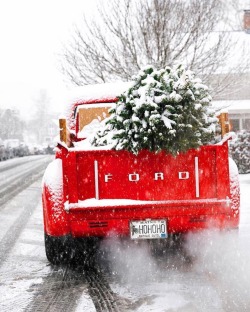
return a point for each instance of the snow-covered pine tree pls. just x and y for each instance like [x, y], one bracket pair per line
[240, 151]
[167, 109]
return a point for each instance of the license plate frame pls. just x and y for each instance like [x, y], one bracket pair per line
[148, 229]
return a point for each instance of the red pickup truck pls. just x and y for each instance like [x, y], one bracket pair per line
[97, 192]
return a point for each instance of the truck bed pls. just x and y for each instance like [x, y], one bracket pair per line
[105, 189]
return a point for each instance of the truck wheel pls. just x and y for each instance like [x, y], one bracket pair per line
[59, 250]
[86, 250]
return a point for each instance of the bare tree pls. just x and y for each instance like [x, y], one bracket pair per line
[41, 115]
[128, 34]
[11, 124]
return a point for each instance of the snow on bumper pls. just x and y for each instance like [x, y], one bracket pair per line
[102, 203]
[105, 217]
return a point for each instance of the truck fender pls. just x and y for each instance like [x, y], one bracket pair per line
[234, 188]
[55, 217]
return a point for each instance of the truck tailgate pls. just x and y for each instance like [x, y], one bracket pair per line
[109, 174]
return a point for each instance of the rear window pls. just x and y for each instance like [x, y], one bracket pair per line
[89, 117]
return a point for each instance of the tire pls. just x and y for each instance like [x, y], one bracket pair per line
[86, 250]
[59, 250]
[162, 247]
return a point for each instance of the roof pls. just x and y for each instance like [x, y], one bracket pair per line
[233, 106]
[98, 92]
[89, 94]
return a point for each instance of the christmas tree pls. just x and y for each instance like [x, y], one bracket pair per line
[166, 109]
[240, 151]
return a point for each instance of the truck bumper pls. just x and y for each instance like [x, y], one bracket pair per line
[181, 216]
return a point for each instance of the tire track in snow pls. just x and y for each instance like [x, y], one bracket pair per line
[19, 181]
[11, 236]
[17, 162]
[102, 295]
[60, 291]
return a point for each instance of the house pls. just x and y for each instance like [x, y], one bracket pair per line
[235, 97]
[238, 112]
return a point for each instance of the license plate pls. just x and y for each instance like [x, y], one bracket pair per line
[148, 229]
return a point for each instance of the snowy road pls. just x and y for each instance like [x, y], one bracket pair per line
[127, 277]
[16, 174]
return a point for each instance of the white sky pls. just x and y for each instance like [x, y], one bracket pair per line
[31, 34]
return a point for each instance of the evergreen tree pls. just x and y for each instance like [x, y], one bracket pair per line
[166, 109]
[240, 151]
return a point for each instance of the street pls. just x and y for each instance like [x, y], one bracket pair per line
[210, 272]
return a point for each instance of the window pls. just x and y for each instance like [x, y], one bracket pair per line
[90, 116]
[235, 125]
[246, 124]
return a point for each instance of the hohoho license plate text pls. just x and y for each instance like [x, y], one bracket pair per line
[148, 229]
